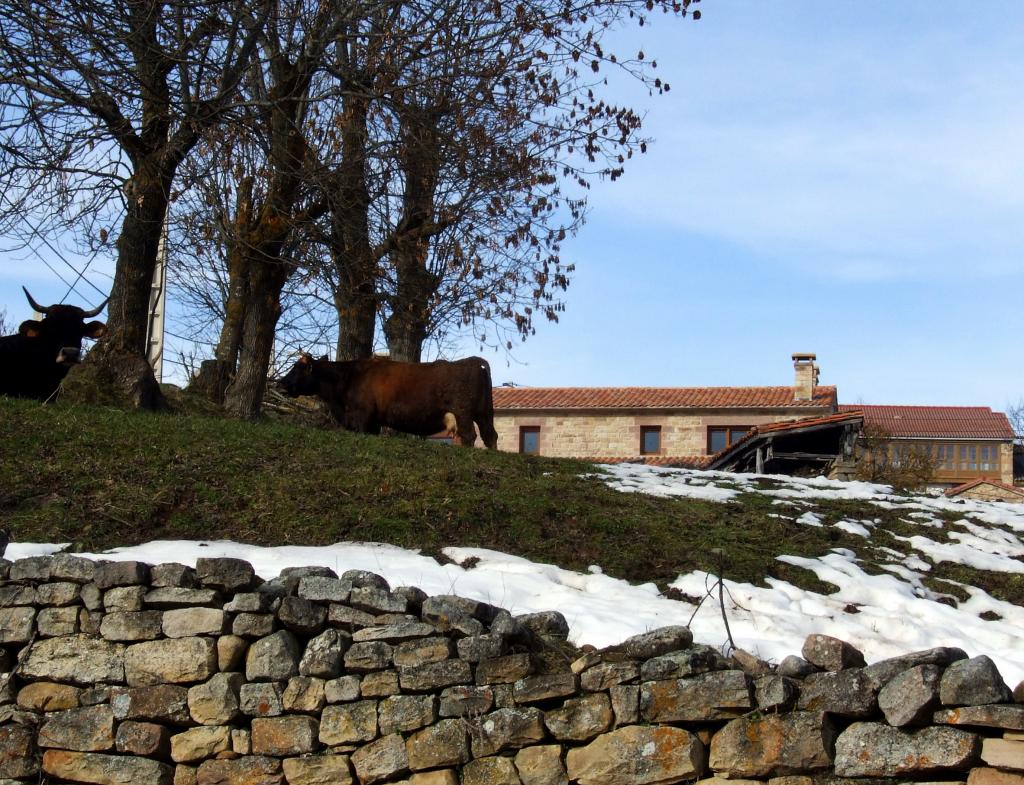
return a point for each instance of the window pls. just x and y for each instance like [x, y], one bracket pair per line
[969, 457]
[529, 439]
[721, 436]
[945, 456]
[650, 439]
[990, 458]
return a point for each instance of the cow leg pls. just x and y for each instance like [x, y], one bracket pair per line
[488, 434]
[464, 425]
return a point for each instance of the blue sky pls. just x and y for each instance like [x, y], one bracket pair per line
[828, 176]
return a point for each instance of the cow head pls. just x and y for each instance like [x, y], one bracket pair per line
[62, 329]
[300, 380]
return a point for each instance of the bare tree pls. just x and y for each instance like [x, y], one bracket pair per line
[882, 459]
[102, 101]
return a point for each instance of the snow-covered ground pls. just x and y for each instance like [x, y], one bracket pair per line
[895, 612]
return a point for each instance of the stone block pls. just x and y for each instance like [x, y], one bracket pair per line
[868, 749]
[490, 771]
[124, 599]
[831, 654]
[163, 703]
[349, 723]
[433, 676]
[375, 600]
[533, 689]
[302, 616]
[883, 671]
[202, 743]
[605, 675]
[680, 664]
[189, 622]
[504, 670]
[541, 765]
[638, 755]
[17, 624]
[68, 567]
[911, 697]
[225, 574]
[480, 647]
[625, 703]
[719, 695]
[284, 736]
[580, 719]
[304, 694]
[445, 743]
[984, 776]
[173, 575]
[323, 656]
[216, 701]
[773, 691]
[54, 622]
[394, 633]
[231, 651]
[18, 752]
[253, 625]
[973, 682]
[58, 594]
[121, 573]
[506, 729]
[380, 684]
[1005, 716]
[261, 699]
[86, 729]
[368, 656]
[348, 617]
[845, 693]
[404, 713]
[342, 690]
[77, 659]
[273, 658]
[101, 769]
[318, 770]
[247, 770]
[320, 588]
[170, 661]
[145, 739]
[362, 579]
[1003, 753]
[170, 597]
[657, 642]
[45, 696]
[466, 701]
[773, 745]
[132, 626]
[380, 760]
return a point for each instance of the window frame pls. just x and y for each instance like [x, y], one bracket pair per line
[525, 430]
[644, 431]
[733, 433]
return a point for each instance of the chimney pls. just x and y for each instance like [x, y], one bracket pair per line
[806, 376]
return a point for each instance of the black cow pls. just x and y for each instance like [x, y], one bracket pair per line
[34, 361]
[417, 398]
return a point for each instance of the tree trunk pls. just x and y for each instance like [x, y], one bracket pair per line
[244, 396]
[355, 296]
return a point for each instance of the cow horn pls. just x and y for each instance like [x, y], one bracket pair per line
[95, 311]
[34, 304]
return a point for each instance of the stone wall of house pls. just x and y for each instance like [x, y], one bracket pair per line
[568, 435]
[123, 672]
[993, 493]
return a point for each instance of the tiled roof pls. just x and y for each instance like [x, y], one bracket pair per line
[506, 398]
[983, 481]
[936, 422]
[682, 461]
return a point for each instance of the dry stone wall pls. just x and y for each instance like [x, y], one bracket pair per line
[122, 672]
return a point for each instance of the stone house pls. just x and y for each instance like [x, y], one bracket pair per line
[987, 490]
[659, 425]
[966, 443]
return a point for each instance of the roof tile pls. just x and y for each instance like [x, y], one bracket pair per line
[506, 398]
[935, 422]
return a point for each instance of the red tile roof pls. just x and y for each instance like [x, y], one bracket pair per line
[506, 398]
[936, 422]
[983, 481]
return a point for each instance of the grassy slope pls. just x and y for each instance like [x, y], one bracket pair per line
[99, 478]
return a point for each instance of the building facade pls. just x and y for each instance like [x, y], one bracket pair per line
[965, 443]
[661, 425]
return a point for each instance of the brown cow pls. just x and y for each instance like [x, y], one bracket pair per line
[417, 398]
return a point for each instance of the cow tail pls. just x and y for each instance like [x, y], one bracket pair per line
[486, 418]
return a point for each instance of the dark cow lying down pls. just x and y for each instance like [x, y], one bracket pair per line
[417, 398]
[35, 361]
